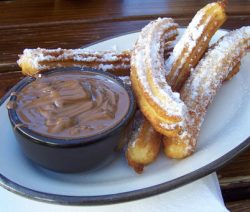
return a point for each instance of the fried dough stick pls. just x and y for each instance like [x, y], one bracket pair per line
[200, 89]
[144, 147]
[35, 61]
[144, 144]
[192, 45]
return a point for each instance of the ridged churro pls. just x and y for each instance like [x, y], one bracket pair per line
[34, 61]
[155, 98]
[199, 90]
[192, 45]
[144, 144]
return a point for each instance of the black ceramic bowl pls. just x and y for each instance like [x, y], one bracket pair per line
[70, 155]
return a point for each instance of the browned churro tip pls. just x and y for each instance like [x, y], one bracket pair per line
[138, 168]
[144, 145]
[223, 3]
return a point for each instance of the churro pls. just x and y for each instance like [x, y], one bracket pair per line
[192, 45]
[155, 98]
[34, 61]
[199, 90]
[144, 144]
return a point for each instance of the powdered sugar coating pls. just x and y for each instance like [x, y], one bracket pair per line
[126, 80]
[191, 46]
[42, 59]
[201, 87]
[187, 42]
[136, 128]
[148, 54]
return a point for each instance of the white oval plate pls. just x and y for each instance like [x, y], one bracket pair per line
[224, 134]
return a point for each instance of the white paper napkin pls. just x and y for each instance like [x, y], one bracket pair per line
[202, 195]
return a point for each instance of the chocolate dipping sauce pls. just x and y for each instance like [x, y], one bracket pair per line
[72, 104]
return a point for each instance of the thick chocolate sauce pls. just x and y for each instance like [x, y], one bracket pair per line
[72, 104]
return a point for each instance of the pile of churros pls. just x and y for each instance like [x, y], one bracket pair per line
[173, 85]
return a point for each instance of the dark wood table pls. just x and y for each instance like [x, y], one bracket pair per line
[71, 24]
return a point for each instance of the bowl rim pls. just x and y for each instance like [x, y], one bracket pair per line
[68, 142]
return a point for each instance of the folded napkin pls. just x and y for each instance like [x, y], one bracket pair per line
[201, 195]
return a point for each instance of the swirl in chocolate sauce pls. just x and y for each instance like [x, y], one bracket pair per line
[72, 104]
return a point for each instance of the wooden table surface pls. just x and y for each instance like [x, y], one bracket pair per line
[71, 24]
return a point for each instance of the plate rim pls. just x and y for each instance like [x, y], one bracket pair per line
[123, 196]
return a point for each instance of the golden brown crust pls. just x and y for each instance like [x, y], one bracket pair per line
[220, 62]
[158, 102]
[144, 146]
[147, 69]
[188, 51]
[34, 61]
